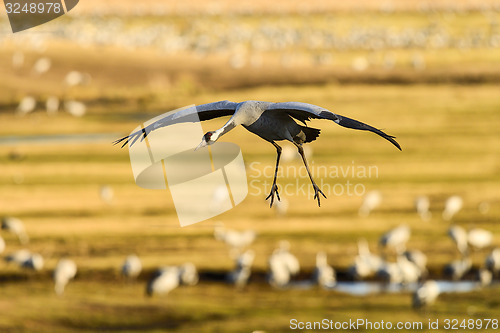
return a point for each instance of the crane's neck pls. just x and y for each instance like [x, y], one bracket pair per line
[224, 129]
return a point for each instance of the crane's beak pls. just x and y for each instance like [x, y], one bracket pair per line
[202, 144]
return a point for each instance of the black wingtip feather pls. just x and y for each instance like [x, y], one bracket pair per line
[354, 124]
[394, 142]
[120, 140]
[134, 137]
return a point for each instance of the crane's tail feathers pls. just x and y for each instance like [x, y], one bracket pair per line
[311, 133]
[351, 123]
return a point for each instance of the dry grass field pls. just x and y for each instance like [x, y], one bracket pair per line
[445, 116]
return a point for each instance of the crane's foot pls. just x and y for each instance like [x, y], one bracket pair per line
[274, 190]
[317, 192]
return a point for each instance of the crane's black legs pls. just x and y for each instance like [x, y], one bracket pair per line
[317, 191]
[274, 188]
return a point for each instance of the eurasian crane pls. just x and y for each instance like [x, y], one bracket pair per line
[492, 261]
[452, 206]
[366, 263]
[426, 294]
[324, 274]
[396, 238]
[240, 275]
[270, 121]
[459, 236]
[63, 273]
[168, 278]
[131, 267]
[15, 226]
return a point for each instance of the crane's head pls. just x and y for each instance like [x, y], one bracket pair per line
[208, 139]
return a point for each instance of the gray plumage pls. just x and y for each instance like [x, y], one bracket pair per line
[270, 121]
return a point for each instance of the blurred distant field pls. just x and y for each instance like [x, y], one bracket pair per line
[438, 95]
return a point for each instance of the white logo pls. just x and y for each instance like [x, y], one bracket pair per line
[203, 183]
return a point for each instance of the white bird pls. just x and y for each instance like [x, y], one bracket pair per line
[15, 226]
[106, 193]
[42, 65]
[245, 259]
[279, 276]
[426, 294]
[390, 272]
[418, 258]
[485, 277]
[402, 271]
[18, 257]
[270, 121]
[365, 264]
[52, 105]
[282, 265]
[168, 278]
[492, 261]
[479, 238]
[458, 268]
[75, 108]
[26, 105]
[34, 262]
[452, 206]
[236, 240]
[63, 273]
[422, 205]
[132, 266]
[163, 281]
[396, 238]
[460, 237]
[291, 262]
[188, 274]
[76, 78]
[240, 275]
[371, 201]
[324, 274]
[410, 272]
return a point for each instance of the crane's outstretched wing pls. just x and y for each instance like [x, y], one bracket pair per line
[303, 112]
[204, 111]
